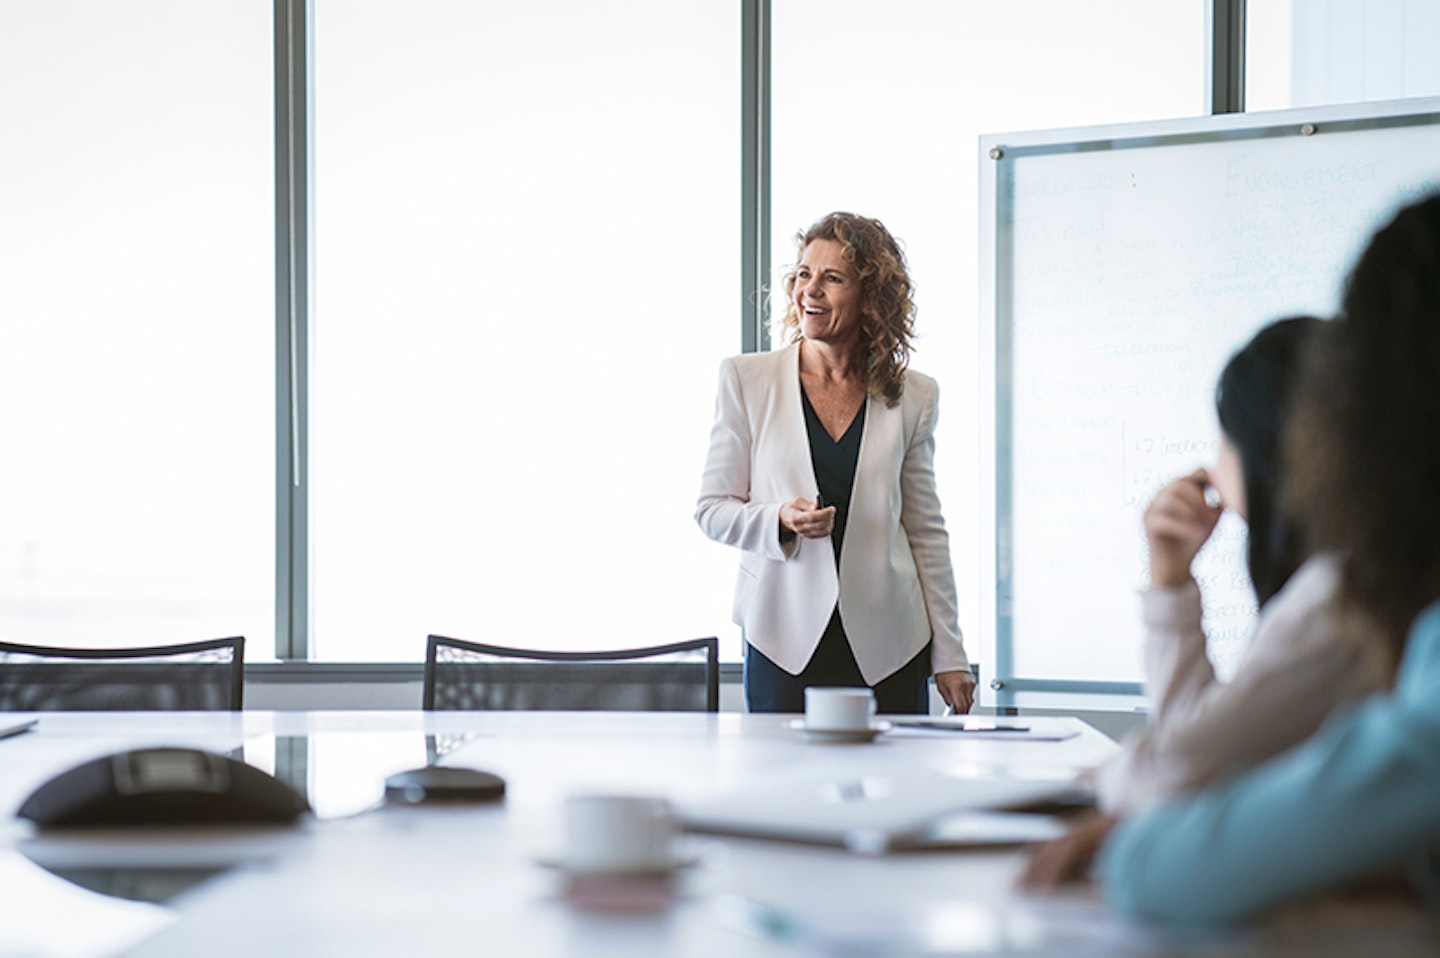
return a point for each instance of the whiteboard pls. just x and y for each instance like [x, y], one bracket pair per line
[1120, 268]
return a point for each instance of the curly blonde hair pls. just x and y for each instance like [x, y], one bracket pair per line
[887, 309]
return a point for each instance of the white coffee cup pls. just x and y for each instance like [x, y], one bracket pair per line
[618, 833]
[839, 709]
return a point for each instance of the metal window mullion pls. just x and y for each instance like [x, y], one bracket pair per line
[755, 175]
[1225, 62]
[292, 316]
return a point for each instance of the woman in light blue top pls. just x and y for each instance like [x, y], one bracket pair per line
[1362, 798]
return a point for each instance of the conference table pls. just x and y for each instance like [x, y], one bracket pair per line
[360, 877]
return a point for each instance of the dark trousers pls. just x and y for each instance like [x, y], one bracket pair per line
[769, 688]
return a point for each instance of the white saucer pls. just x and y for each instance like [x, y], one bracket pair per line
[680, 860]
[840, 736]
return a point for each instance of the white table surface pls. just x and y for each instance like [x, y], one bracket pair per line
[364, 880]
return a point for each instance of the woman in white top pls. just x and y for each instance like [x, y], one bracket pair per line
[1306, 655]
[821, 471]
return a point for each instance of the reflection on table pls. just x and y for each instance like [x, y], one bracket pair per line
[362, 878]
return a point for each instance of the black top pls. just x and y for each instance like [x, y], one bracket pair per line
[834, 464]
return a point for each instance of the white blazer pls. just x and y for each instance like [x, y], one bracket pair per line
[895, 586]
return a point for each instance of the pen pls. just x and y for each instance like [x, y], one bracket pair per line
[950, 727]
[8, 731]
[1212, 495]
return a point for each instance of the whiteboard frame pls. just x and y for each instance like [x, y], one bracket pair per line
[1005, 690]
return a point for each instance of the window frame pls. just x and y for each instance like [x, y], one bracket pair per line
[293, 23]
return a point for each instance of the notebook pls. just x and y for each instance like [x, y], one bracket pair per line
[866, 813]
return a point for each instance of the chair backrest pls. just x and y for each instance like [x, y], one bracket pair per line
[193, 676]
[680, 677]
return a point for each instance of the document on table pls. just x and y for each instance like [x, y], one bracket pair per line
[869, 813]
[1030, 729]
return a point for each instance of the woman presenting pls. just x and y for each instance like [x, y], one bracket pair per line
[821, 471]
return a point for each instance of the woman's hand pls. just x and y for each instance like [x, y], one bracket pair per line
[802, 518]
[1068, 857]
[957, 688]
[1177, 523]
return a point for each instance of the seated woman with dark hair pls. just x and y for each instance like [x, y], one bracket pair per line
[1362, 797]
[1306, 655]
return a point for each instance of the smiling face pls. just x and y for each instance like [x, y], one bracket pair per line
[827, 295]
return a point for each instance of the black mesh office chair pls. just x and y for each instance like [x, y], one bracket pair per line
[680, 677]
[192, 676]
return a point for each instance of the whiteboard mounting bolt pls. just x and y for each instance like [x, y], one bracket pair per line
[996, 152]
[1307, 129]
[996, 684]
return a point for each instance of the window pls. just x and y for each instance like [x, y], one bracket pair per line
[527, 243]
[1339, 51]
[527, 240]
[136, 302]
[878, 110]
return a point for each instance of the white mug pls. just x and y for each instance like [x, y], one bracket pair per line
[618, 833]
[839, 709]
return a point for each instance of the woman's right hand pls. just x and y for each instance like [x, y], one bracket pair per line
[802, 518]
[1177, 523]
